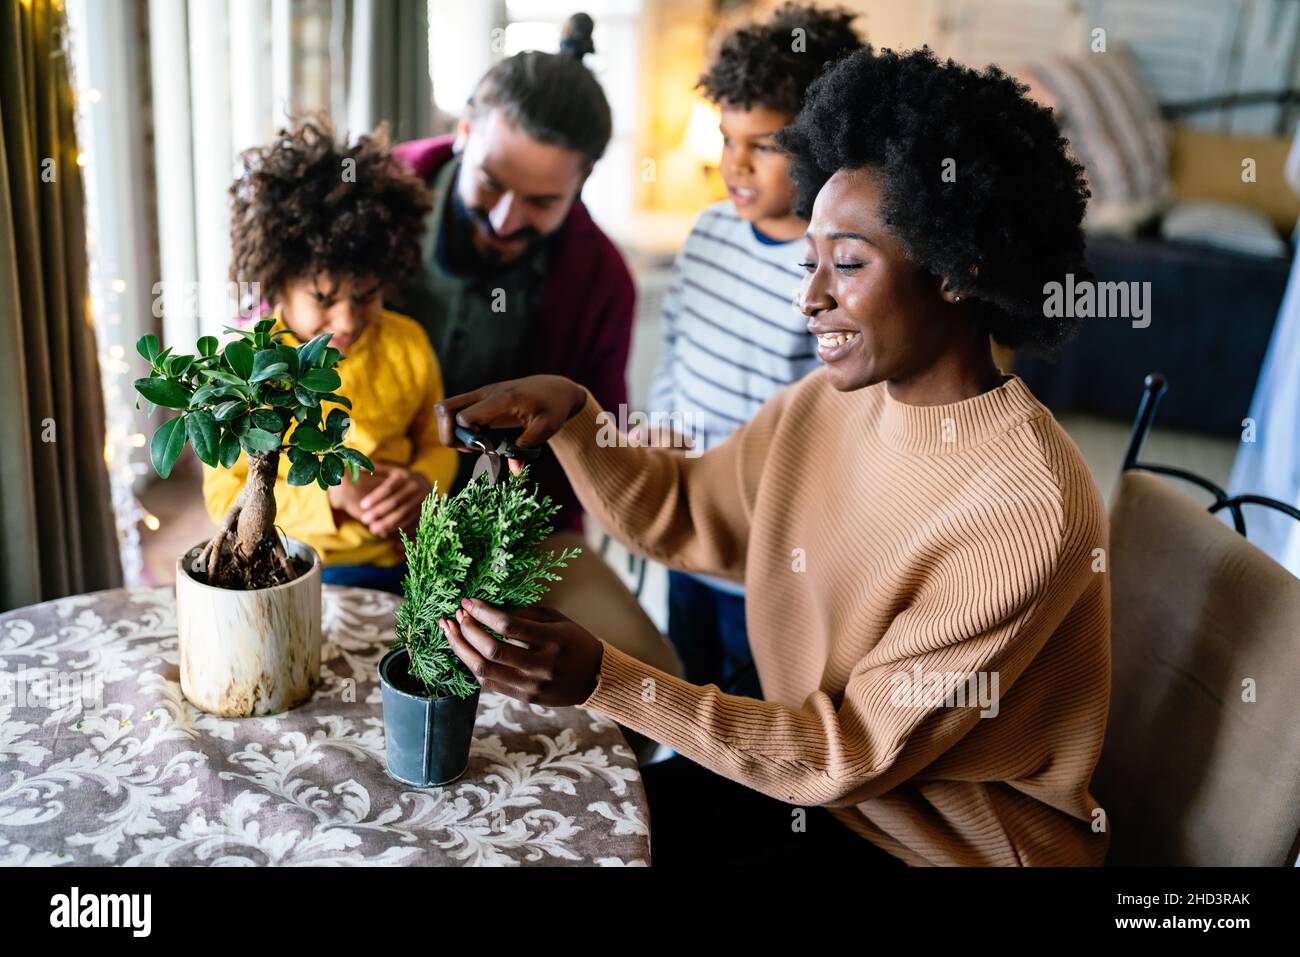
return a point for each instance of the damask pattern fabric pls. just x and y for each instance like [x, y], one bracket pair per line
[102, 761]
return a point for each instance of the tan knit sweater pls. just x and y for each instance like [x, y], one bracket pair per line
[927, 605]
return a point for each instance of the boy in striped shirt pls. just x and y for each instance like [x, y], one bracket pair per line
[731, 337]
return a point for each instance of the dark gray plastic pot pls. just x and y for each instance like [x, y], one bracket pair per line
[426, 739]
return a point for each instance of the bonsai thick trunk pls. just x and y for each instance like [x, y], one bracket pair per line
[246, 552]
[256, 506]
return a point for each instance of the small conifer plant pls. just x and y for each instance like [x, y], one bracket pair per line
[484, 542]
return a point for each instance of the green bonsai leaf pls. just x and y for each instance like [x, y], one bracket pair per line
[239, 356]
[357, 461]
[228, 410]
[246, 396]
[307, 438]
[221, 375]
[289, 356]
[164, 392]
[306, 397]
[259, 440]
[268, 420]
[304, 471]
[320, 380]
[267, 364]
[331, 469]
[205, 394]
[166, 446]
[202, 430]
[337, 424]
[309, 352]
[148, 347]
[229, 449]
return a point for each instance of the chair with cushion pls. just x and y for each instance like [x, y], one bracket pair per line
[1201, 761]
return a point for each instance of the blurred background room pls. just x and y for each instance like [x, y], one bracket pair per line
[1185, 133]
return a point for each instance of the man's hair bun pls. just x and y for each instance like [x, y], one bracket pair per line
[575, 38]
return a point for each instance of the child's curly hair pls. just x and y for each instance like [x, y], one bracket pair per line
[306, 204]
[759, 65]
[1006, 222]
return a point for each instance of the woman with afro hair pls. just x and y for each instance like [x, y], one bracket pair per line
[923, 547]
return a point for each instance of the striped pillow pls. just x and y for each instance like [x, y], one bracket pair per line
[1226, 225]
[1106, 111]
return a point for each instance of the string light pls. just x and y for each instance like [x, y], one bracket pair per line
[122, 436]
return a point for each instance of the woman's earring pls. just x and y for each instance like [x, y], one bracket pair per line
[956, 298]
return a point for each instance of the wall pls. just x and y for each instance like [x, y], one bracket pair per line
[1189, 50]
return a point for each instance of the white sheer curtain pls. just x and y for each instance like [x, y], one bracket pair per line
[226, 75]
[111, 131]
[170, 92]
[1271, 465]
[221, 76]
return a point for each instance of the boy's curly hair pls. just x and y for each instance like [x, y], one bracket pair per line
[757, 64]
[1007, 223]
[306, 204]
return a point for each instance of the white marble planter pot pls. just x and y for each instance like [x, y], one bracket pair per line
[247, 653]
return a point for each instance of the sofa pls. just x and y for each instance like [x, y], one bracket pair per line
[1212, 309]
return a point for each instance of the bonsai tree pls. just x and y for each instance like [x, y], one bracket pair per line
[485, 543]
[249, 395]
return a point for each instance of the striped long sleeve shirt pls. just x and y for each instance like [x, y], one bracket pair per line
[732, 337]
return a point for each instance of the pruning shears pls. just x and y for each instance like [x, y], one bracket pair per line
[497, 447]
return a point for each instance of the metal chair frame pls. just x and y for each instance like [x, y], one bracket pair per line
[1154, 387]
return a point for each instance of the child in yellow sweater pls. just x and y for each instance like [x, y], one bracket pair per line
[325, 230]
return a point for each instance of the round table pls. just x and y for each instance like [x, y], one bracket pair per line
[103, 761]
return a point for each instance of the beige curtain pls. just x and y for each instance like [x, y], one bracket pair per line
[57, 533]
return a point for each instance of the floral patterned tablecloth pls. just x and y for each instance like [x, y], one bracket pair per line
[102, 761]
